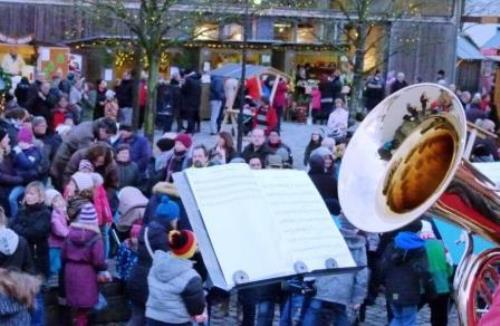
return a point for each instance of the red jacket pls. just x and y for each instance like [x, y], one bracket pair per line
[271, 119]
[143, 94]
[58, 117]
[280, 96]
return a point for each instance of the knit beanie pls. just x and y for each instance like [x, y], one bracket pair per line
[87, 215]
[182, 243]
[85, 166]
[50, 195]
[86, 181]
[165, 144]
[25, 135]
[185, 139]
[167, 209]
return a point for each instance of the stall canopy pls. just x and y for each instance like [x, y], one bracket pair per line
[233, 70]
[254, 78]
[466, 50]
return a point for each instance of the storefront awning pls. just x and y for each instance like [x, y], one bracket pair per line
[467, 51]
[233, 70]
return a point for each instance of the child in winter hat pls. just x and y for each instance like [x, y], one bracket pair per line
[99, 198]
[168, 210]
[85, 263]
[182, 243]
[87, 218]
[171, 278]
[131, 208]
[27, 157]
[25, 135]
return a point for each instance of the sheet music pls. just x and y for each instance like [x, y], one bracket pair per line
[237, 219]
[263, 222]
[306, 228]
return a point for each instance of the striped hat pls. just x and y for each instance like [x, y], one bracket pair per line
[87, 215]
[182, 243]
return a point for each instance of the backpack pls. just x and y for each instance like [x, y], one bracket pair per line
[126, 260]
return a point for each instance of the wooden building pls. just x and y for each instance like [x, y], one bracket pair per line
[283, 37]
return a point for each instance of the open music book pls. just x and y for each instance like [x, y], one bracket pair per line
[260, 225]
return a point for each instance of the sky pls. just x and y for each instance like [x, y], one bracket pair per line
[480, 34]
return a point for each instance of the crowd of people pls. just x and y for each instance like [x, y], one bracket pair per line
[80, 187]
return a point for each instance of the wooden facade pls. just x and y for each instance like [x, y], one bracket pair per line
[468, 75]
[54, 23]
[421, 49]
[417, 47]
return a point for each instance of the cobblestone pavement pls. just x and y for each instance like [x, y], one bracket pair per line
[297, 137]
[375, 315]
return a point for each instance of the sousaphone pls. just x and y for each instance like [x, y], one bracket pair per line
[406, 160]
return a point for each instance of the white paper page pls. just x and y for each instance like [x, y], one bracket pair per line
[44, 54]
[307, 231]
[491, 170]
[238, 221]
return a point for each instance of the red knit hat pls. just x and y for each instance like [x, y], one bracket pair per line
[185, 139]
[182, 243]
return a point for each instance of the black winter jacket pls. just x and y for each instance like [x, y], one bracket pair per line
[33, 223]
[128, 174]
[125, 93]
[20, 260]
[404, 273]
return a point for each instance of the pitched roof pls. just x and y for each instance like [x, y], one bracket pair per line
[494, 42]
[467, 50]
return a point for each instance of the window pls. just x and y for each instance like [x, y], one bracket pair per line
[283, 31]
[207, 32]
[307, 33]
[232, 32]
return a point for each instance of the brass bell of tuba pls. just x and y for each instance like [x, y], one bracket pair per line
[405, 160]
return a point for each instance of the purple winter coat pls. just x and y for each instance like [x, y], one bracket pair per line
[83, 257]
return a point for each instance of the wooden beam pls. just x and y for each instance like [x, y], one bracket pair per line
[481, 19]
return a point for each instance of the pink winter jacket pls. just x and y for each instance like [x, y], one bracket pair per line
[102, 207]
[58, 228]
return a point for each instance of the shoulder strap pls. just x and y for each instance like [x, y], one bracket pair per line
[146, 241]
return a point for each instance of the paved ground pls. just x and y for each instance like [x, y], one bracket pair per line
[375, 315]
[297, 137]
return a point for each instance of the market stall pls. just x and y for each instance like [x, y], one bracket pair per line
[23, 57]
[261, 82]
